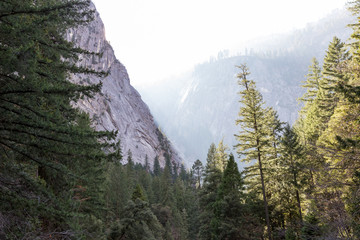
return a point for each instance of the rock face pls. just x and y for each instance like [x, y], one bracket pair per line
[118, 106]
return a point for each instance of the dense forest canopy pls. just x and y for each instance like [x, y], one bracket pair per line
[61, 179]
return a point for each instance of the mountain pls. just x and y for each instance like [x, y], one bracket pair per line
[118, 106]
[201, 106]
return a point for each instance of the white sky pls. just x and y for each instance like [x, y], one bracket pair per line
[155, 39]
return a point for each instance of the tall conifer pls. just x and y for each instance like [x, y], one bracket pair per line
[253, 138]
[291, 160]
[47, 146]
[208, 194]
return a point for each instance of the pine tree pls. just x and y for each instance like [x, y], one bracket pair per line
[232, 181]
[168, 165]
[211, 182]
[310, 125]
[138, 193]
[221, 157]
[175, 171]
[156, 167]
[47, 146]
[138, 221]
[322, 126]
[291, 161]
[183, 174]
[253, 136]
[354, 204]
[335, 56]
[275, 129]
[312, 83]
[145, 179]
[311, 229]
[332, 77]
[210, 160]
[166, 180]
[310, 114]
[117, 190]
[147, 165]
[197, 169]
[229, 210]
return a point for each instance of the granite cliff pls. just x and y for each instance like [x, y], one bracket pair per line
[118, 106]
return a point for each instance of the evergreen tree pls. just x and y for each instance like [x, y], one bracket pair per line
[168, 165]
[156, 167]
[232, 181]
[312, 83]
[335, 56]
[310, 114]
[324, 124]
[197, 169]
[332, 77]
[147, 165]
[145, 180]
[221, 157]
[129, 159]
[210, 160]
[291, 161]
[156, 189]
[233, 219]
[354, 205]
[311, 229]
[183, 174]
[117, 191]
[253, 137]
[166, 180]
[138, 221]
[275, 129]
[47, 147]
[138, 193]
[175, 171]
[310, 126]
[208, 194]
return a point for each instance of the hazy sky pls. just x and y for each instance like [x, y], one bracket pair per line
[155, 39]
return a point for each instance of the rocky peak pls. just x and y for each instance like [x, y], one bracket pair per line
[118, 106]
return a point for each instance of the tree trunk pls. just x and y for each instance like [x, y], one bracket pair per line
[299, 206]
[297, 191]
[264, 196]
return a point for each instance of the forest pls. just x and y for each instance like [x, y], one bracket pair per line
[61, 179]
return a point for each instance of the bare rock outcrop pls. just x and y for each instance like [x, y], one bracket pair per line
[118, 106]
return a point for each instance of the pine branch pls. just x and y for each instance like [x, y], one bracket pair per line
[43, 10]
[41, 163]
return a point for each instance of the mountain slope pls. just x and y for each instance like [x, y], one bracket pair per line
[118, 106]
[201, 106]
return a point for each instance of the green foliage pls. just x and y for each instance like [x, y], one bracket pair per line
[53, 160]
[290, 234]
[208, 194]
[166, 194]
[312, 83]
[311, 229]
[156, 167]
[138, 194]
[138, 222]
[61, 179]
[233, 219]
[354, 205]
[253, 138]
[197, 170]
[232, 181]
[310, 118]
[221, 156]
